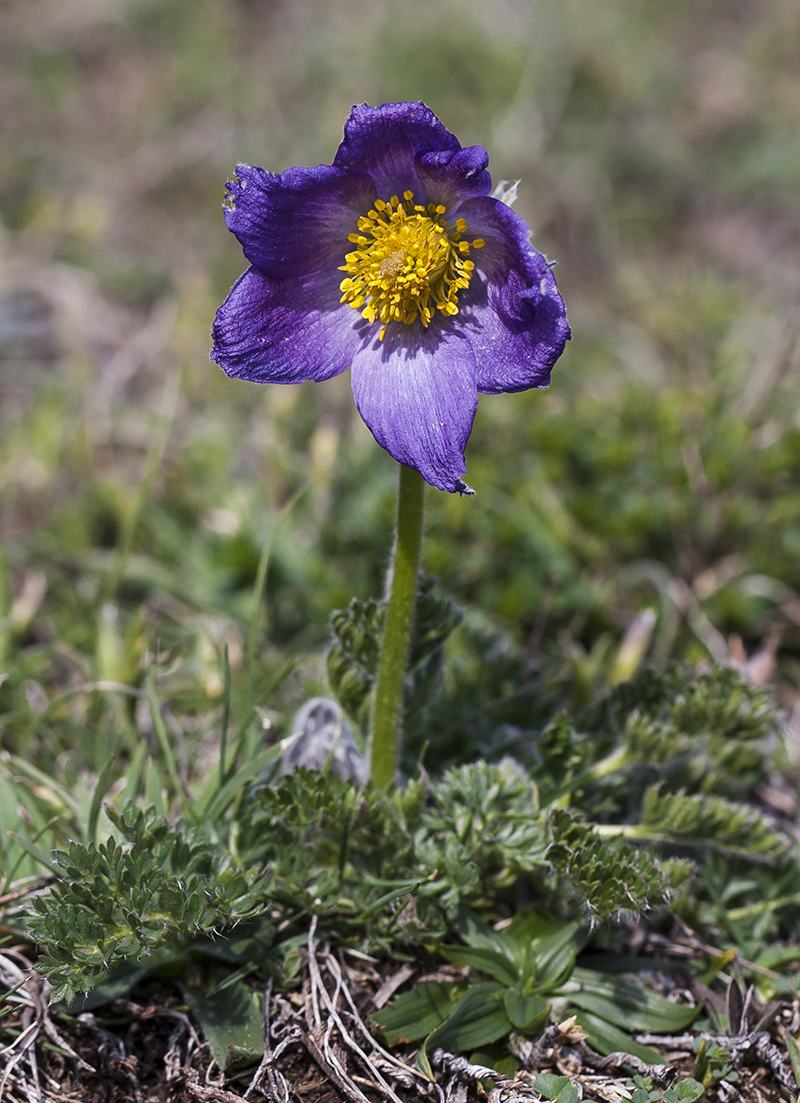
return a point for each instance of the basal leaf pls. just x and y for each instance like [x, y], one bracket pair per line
[707, 821]
[688, 1090]
[231, 1021]
[478, 1020]
[794, 1057]
[546, 945]
[480, 935]
[606, 1038]
[490, 962]
[119, 983]
[528, 1013]
[414, 1015]
[625, 1002]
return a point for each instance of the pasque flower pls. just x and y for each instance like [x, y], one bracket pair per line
[394, 261]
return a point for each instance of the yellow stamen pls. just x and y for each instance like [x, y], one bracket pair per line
[407, 263]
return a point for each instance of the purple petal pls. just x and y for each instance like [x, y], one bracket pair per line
[382, 142]
[512, 313]
[298, 221]
[450, 177]
[416, 392]
[285, 331]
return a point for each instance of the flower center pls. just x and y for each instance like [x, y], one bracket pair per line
[407, 263]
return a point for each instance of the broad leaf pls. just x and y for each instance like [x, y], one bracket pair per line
[481, 936]
[688, 1090]
[490, 962]
[794, 1057]
[559, 1089]
[414, 1015]
[231, 1021]
[606, 1038]
[545, 946]
[535, 946]
[528, 1013]
[478, 1020]
[625, 1003]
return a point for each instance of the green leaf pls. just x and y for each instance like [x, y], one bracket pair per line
[478, 1020]
[402, 889]
[414, 1015]
[707, 821]
[528, 1013]
[491, 962]
[794, 1057]
[120, 981]
[231, 1021]
[43, 857]
[688, 1090]
[352, 661]
[100, 790]
[608, 875]
[497, 1059]
[480, 935]
[559, 1089]
[606, 1039]
[168, 886]
[543, 945]
[227, 792]
[625, 1002]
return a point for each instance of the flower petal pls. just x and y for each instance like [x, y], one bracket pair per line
[416, 392]
[450, 177]
[382, 142]
[285, 331]
[512, 312]
[298, 221]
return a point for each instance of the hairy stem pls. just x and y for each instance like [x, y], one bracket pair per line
[387, 709]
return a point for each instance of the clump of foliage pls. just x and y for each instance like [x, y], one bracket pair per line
[164, 886]
[533, 971]
[401, 867]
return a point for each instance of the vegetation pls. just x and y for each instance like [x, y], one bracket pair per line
[600, 752]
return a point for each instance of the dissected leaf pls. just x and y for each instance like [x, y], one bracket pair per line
[707, 821]
[612, 877]
[119, 982]
[171, 885]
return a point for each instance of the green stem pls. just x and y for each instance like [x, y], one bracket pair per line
[387, 709]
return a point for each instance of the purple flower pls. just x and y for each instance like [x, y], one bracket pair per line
[394, 261]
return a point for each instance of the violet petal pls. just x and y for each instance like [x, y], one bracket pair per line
[382, 142]
[416, 392]
[296, 222]
[512, 314]
[285, 331]
[450, 177]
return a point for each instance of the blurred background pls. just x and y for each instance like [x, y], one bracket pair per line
[646, 507]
